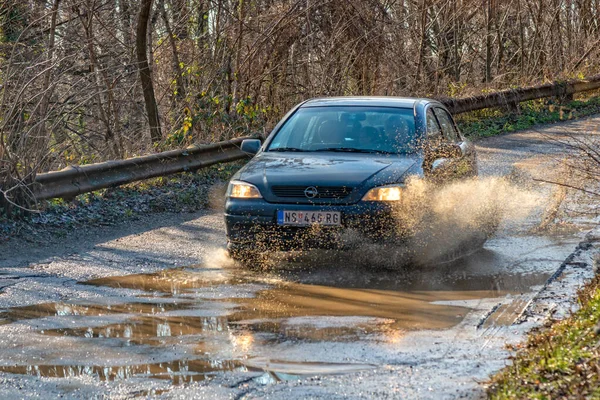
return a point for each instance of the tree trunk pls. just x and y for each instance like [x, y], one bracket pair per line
[144, 68]
[488, 40]
[456, 45]
[238, 52]
[522, 52]
[126, 25]
[176, 62]
[422, 43]
[42, 136]
[108, 113]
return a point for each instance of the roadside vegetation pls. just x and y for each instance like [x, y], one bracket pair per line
[559, 361]
[187, 192]
[490, 122]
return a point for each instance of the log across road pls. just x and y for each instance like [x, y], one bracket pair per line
[154, 307]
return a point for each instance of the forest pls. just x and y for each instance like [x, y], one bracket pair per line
[82, 81]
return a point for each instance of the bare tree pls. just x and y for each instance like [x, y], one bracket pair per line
[141, 44]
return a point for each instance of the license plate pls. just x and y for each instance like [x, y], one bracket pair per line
[304, 218]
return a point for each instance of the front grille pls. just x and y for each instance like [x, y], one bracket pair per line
[324, 192]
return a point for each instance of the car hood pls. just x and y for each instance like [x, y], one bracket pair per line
[357, 171]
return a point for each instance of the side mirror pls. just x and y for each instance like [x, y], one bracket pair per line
[250, 146]
[447, 150]
[439, 165]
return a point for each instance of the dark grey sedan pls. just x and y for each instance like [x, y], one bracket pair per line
[336, 163]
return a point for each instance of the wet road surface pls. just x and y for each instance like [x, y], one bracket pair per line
[240, 331]
[230, 316]
[222, 318]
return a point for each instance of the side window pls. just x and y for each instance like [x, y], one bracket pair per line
[448, 127]
[433, 129]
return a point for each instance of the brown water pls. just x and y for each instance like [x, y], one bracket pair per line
[187, 371]
[170, 281]
[90, 309]
[180, 371]
[227, 316]
[146, 329]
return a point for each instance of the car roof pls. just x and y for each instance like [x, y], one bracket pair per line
[377, 101]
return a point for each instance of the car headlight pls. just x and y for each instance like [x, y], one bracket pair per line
[243, 190]
[384, 193]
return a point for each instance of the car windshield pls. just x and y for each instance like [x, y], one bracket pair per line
[370, 129]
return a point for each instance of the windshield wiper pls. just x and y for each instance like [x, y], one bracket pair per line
[343, 149]
[287, 149]
[381, 151]
[354, 150]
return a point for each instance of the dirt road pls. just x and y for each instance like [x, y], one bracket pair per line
[155, 308]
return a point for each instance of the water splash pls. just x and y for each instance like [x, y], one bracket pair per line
[435, 223]
[218, 258]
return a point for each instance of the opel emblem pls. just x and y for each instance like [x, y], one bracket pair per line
[311, 192]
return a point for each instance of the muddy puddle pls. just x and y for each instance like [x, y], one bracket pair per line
[89, 309]
[147, 329]
[230, 318]
[180, 371]
[171, 281]
[187, 371]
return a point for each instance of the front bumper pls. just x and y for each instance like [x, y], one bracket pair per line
[254, 222]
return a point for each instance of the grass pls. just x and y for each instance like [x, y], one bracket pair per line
[559, 361]
[490, 122]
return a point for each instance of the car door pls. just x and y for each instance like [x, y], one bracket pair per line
[463, 163]
[433, 141]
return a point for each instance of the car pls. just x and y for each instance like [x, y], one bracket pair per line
[339, 163]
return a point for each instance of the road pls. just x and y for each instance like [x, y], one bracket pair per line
[154, 307]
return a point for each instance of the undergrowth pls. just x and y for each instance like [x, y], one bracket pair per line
[490, 122]
[560, 361]
[186, 192]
